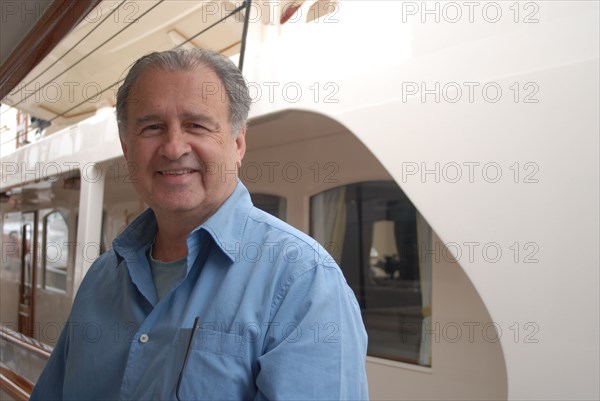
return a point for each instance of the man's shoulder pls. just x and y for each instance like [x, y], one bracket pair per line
[296, 245]
[104, 265]
[277, 228]
[98, 285]
[107, 259]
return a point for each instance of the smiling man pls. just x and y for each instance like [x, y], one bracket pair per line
[182, 312]
[185, 154]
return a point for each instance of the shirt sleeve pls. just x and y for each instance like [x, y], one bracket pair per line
[49, 385]
[316, 345]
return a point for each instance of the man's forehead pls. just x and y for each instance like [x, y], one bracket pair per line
[199, 85]
[199, 75]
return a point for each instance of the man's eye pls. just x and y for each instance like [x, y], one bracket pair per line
[151, 129]
[196, 128]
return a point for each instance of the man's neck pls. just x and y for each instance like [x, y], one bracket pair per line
[174, 227]
[171, 238]
[169, 248]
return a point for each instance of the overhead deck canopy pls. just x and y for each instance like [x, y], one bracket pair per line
[82, 73]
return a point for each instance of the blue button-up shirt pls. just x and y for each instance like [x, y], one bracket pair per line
[277, 319]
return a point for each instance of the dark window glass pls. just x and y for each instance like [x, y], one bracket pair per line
[374, 231]
[56, 252]
[273, 204]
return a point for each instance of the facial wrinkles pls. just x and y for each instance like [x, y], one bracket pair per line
[194, 160]
[198, 108]
[176, 108]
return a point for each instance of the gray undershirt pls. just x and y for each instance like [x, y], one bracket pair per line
[166, 274]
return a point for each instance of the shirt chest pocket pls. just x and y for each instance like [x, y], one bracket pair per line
[213, 365]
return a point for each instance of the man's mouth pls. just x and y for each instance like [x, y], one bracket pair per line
[176, 172]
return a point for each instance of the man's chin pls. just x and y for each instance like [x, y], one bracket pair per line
[176, 208]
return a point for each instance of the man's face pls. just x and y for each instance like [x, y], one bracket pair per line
[183, 157]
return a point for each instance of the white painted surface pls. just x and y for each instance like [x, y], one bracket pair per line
[559, 134]
[91, 204]
[559, 214]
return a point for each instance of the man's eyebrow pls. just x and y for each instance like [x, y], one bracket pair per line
[196, 116]
[185, 116]
[146, 118]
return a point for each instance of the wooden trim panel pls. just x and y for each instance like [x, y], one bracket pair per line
[58, 20]
[35, 347]
[14, 385]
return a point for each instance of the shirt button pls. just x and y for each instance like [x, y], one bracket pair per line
[144, 338]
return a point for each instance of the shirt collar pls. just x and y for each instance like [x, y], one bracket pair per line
[140, 233]
[225, 226]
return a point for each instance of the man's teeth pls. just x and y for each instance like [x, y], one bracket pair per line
[176, 172]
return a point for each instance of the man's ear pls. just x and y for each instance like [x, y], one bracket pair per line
[124, 148]
[240, 144]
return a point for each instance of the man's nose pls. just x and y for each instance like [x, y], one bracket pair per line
[175, 144]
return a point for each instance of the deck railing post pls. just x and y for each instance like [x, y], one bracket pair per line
[91, 202]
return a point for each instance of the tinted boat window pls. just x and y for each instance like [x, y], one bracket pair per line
[373, 231]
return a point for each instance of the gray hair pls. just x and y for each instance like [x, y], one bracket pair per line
[186, 60]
